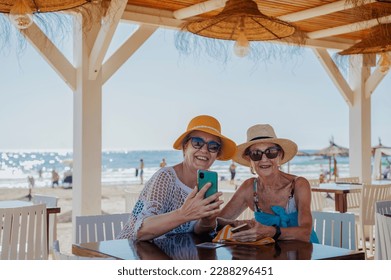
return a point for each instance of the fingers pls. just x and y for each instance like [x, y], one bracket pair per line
[204, 189]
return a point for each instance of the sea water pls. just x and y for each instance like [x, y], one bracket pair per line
[119, 167]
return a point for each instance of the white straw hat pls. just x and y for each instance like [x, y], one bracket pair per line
[264, 133]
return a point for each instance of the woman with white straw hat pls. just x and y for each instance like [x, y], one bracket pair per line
[170, 201]
[280, 201]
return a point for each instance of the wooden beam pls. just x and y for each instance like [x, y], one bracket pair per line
[126, 50]
[198, 9]
[343, 29]
[159, 18]
[105, 35]
[374, 80]
[51, 54]
[320, 11]
[335, 75]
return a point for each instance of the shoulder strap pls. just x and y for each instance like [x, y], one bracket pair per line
[255, 196]
[294, 185]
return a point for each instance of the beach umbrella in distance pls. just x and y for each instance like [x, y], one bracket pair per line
[378, 146]
[332, 151]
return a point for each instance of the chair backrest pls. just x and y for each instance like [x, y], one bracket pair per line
[317, 201]
[335, 229]
[58, 255]
[348, 180]
[382, 237]
[383, 207]
[49, 201]
[314, 182]
[354, 200]
[247, 214]
[369, 195]
[99, 227]
[226, 197]
[131, 198]
[23, 233]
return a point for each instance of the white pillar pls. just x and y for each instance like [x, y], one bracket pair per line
[87, 129]
[360, 120]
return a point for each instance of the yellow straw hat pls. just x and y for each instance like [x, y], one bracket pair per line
[212, 126]
[264, 133]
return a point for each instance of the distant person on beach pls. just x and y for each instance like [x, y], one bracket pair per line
[280, 201]
[141, 168]
[232, 170]
[163, 163]
[170, 201]
[55, 178]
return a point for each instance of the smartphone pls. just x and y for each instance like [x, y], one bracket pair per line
[206, 176]
[240, 228]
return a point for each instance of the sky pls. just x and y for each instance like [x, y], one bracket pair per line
[148, 103]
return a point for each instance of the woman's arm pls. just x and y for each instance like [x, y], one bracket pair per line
[300, 232]
[195, 207]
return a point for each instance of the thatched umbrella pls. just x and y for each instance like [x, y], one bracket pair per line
[332, 151]
[373, 150]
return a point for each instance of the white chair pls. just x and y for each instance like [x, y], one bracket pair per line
[382, 237]
[247, 214]
[58, 255]
[23, 233]
[383, 207]
[317, 199]
[348, 180]
[314, 182]
[353, 198]
[131, 197]
[227, 195]
[49, 201]
[99, 227]
[366, 218]
[335, 229]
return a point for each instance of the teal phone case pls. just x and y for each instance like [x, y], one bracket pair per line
[206, 176]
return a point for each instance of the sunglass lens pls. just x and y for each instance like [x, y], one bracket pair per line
[213, 146]
[197, 142]
[271, 153]
[255, 155]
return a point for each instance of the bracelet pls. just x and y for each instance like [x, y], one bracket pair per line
[278, 232]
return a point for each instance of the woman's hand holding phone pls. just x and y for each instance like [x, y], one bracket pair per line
[241, 227]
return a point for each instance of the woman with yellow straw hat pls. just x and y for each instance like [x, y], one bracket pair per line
[280, 201]
[170, 201]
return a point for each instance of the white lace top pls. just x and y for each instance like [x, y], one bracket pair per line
[163, 193]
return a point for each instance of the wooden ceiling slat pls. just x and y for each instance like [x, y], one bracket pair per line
[278, 8]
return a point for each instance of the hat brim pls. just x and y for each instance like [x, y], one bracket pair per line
[228, 147]
[289, 147]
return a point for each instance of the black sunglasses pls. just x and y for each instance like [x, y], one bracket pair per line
[198, 143]
[270, 153]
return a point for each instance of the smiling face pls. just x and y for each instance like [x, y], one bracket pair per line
[266, 166]
[199, 158]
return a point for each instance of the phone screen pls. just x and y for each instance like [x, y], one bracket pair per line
[206, 176]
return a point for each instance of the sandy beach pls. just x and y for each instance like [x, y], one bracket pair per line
[113, 201]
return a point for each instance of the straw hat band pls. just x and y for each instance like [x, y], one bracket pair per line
[264, 133]
[261, 137]
[205, 127]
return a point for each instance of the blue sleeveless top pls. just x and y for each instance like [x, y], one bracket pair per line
[287, 217]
